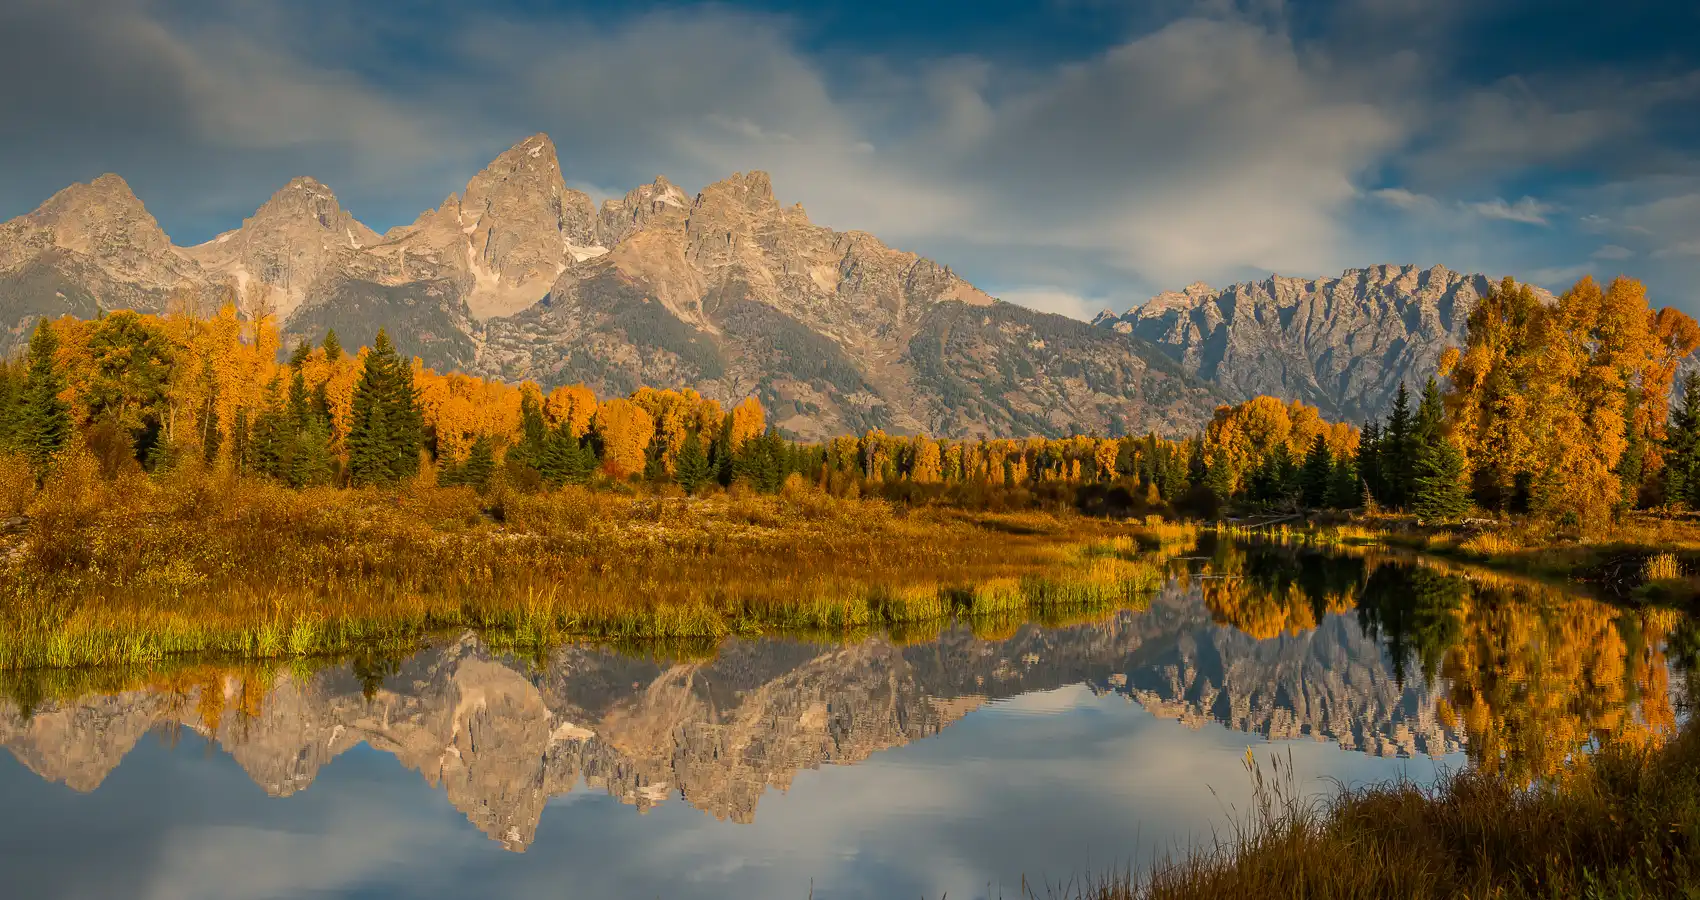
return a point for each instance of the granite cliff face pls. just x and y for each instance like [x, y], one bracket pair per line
[90, 247]
[521, 277]
[500, 740]
[1342, 344]
[300, 235]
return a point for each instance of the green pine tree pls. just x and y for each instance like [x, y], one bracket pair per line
[1317, 475]
[655, 460]
[764, 462]
[534, 435]
[12, 375]
[1438, 488]
[1394, 453]
[480, 464]
[1369, 465]
[1682, 447]
[368, 437]
[303, 352]
[44, 421]
[386, 428]
[722, 458]
[552, 460]
[311, 462]
[1430, 420]
[1344, 491]
[692, 471]
[1436, 471]
[1219, 478]
[333, 347]
[579, 460]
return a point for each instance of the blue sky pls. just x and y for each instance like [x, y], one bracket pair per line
[1069, 154]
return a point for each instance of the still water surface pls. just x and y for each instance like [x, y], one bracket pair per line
[775, 767]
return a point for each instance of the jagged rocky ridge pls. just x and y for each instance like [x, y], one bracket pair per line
[499, 740]
[522, 277]
[1342, 344]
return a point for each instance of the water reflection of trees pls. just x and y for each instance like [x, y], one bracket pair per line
[1529, 673]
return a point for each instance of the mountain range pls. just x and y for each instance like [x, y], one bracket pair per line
[727, 291]
[500, 738]
[1343, 345]
[521, 277]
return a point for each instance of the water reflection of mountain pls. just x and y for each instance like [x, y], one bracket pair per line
[500, 737]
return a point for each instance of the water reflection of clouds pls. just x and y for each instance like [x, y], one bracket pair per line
[1049, 784]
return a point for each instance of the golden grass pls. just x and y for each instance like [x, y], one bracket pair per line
[1624, 822]
[1661, 567]
[198, 562]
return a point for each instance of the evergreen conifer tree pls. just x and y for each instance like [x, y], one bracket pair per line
[1394, 453]
[551, 461]
[1682, 447]
[655, 460]
[12, 377]
[311, 462]
[1437, 488]
[691, 471]
[1219, 478]
[1369, 464]
[384, 434]
[1430, 420]
[567, 460]
[1438, 485]
[1344, 490]
[721, 458]
[534, 435]
[1317, 475]
[480, 464]
[44, 420]
[333, 347]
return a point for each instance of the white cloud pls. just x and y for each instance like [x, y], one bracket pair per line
[1409, 201]
[1054, 300]
[1557, 278]
[1527, 210]
[1613, 251]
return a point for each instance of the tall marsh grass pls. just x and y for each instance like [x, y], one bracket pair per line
[1623, 822]
[201, 562]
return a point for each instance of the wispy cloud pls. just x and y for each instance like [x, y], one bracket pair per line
[1527, 210]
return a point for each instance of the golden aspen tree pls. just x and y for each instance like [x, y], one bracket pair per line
[673, 413]
[928, 467]
[954, 469]
[749, 420]
[706, 418]
[1104, 457]
[571, 407]
[1581, 393]
[625, 431]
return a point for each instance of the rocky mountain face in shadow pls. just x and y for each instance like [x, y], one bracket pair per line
[521, 277]
[1341, 344]
[500, 737]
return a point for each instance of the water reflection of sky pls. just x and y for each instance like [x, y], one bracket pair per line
[1050, 784]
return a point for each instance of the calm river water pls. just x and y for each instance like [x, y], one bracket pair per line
[777, 768]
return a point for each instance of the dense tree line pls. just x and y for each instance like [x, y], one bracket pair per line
[1556, 409]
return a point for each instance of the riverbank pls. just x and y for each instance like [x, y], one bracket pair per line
[1622, 822]
[196, 562]
[1645, 559]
